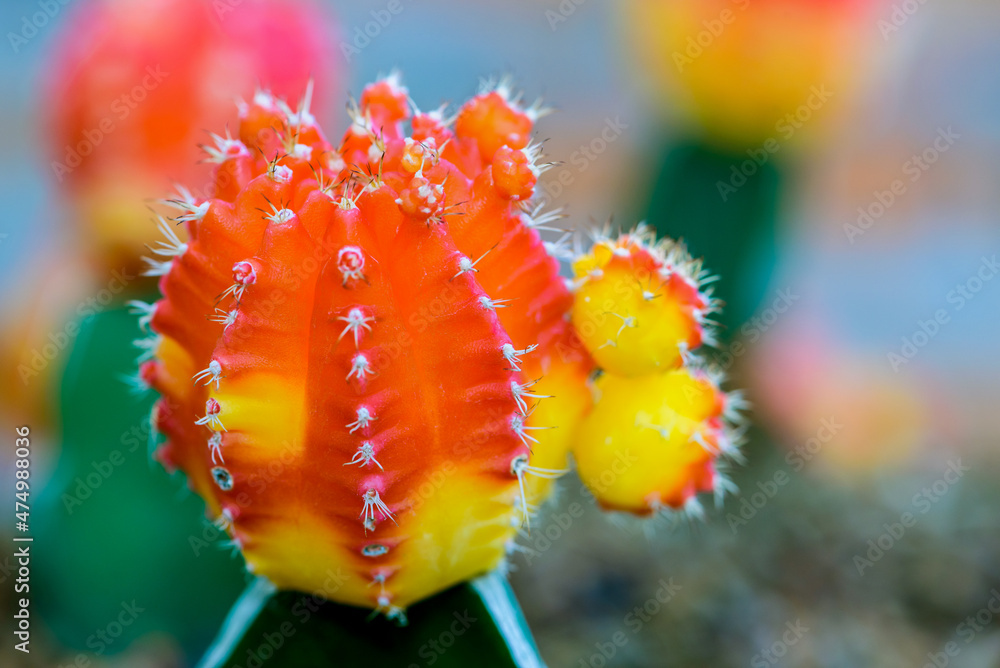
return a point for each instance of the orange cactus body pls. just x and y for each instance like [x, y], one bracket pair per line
[379, 314]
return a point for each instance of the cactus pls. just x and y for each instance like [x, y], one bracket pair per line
[369, 363]
[372, 334]
[661, 428]
[696, 53]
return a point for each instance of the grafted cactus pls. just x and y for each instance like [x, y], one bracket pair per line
[372, 330]
[386, 374]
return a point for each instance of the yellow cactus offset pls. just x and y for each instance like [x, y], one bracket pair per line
[628, 281]
[654, 442]
[661, 425]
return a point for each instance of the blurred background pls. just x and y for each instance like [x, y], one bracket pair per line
[835, 161]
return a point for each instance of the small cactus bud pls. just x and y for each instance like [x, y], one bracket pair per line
[493, 120]
[639, 307]
[421, 199]
[654, 442]
[514, 175]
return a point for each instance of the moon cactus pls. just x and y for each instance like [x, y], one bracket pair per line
[366, 357]
[371, 330]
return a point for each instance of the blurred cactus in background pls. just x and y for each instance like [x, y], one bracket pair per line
[892, 420]
[752, 81]
[134, 88]
[39, 326]
[131, 90]
[740, 67]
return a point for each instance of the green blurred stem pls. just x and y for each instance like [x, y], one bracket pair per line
[703, 196]
[474, 624]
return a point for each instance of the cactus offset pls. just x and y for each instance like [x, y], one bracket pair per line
[625, 281]
[661, 426]
[673, 424]
[364, 327]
